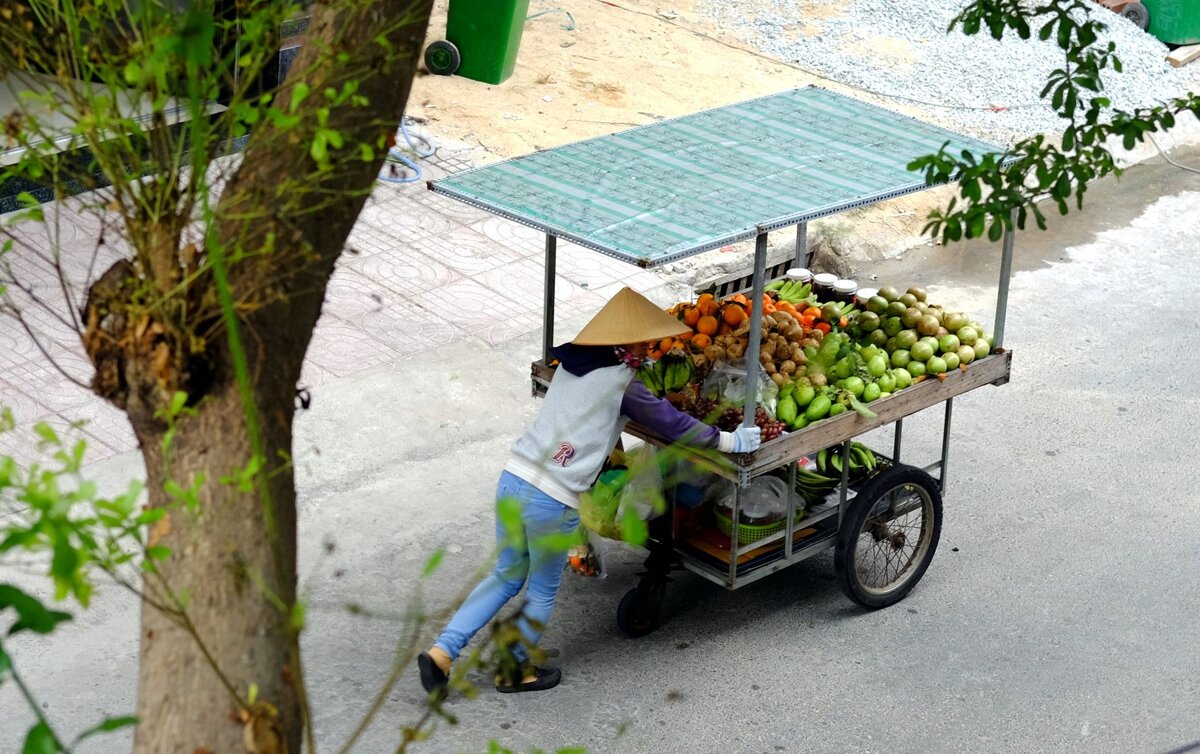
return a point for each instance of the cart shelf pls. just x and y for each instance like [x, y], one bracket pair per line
[991, 370]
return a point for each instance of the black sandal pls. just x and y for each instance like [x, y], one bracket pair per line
[547, 678]
[433, 678]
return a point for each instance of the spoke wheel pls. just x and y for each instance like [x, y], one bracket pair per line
[888, 537]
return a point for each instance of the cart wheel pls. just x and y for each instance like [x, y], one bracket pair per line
[888, 537]
[442, 58]
[1137, 13]
[638, 613]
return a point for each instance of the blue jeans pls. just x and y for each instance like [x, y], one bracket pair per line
[541, 515]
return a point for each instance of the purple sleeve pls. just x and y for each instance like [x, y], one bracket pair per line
[640, 405]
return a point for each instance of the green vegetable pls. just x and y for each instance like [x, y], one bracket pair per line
[818, 409]
[786, 411]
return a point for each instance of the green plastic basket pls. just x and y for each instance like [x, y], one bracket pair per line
[749, 533]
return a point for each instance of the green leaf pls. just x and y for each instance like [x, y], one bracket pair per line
[298, 617]
[132, 73]
[508, 513]
[996, 231]
[107, 726]
[434, 562]
[300, 92]
[47, 433]
[64, 566]
[40, 741]
[158, 552]
[634, 530]
[5, 664]
[318, 149]
[32, 615]
[558, 542]
[861, 408]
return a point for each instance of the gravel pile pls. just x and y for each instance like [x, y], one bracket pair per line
[900, 48]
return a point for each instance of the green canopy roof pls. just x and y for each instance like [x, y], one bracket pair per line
[664, 191]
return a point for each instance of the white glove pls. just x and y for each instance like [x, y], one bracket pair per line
[741, 440]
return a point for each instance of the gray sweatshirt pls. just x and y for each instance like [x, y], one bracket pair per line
[581, 419]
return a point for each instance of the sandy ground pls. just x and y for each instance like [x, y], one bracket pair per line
[630, 62]
[623, 65]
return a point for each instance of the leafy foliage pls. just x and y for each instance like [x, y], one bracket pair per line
[1000, 191]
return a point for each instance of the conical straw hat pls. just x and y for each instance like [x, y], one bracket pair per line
[629, 317]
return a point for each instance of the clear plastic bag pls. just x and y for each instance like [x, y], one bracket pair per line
[587, 558]
[728, 383]
[764, 502]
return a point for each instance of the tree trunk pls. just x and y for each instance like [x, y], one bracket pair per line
[224, 568]
[237, 576]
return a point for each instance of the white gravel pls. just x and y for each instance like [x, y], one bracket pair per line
[900, 47]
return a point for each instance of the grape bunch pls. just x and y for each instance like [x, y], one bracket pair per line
[704, 409]
[770, 428]
[730, 420]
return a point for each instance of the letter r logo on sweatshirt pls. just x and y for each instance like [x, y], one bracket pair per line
[564, 454]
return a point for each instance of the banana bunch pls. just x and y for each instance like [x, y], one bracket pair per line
[668, 375]
[813, 487]
[862, 461]
[792, 291]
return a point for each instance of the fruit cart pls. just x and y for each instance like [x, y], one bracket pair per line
[662, 192]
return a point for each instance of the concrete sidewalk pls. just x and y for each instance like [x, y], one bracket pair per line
[420, 271]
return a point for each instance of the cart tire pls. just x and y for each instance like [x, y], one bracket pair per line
[638, 613]
[1137, 13]
[868, 540]
[442, 58]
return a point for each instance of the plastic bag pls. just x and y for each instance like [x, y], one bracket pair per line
[632, 490]
[728, 383]
[764, 502]
[587, 558]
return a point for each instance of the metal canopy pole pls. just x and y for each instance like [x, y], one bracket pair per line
[548, 326]
[802, 244]
[1005, 277]
[756, 318]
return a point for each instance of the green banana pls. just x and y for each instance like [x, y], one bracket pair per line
[775, 285]
[650, 378]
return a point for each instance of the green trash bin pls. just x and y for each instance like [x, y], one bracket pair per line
[482, 40]
[1175, 22]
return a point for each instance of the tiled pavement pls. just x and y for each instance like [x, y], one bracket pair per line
[421, 270]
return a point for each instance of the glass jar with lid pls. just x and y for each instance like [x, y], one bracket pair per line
[844, 290]
[823, 285]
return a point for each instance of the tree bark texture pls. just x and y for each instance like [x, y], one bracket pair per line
[223, 560]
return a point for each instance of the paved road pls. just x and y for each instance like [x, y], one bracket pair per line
[1059, 614]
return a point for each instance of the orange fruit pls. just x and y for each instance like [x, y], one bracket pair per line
[685, 337]
[733, 314]
[768, 308]
[655, 354]
[706, 304]
[707, 325]
[690, 315]
[665, 344]
[740, 299]
[701, 341]
[724, 329]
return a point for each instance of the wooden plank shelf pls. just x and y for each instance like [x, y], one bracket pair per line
[993, 369]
